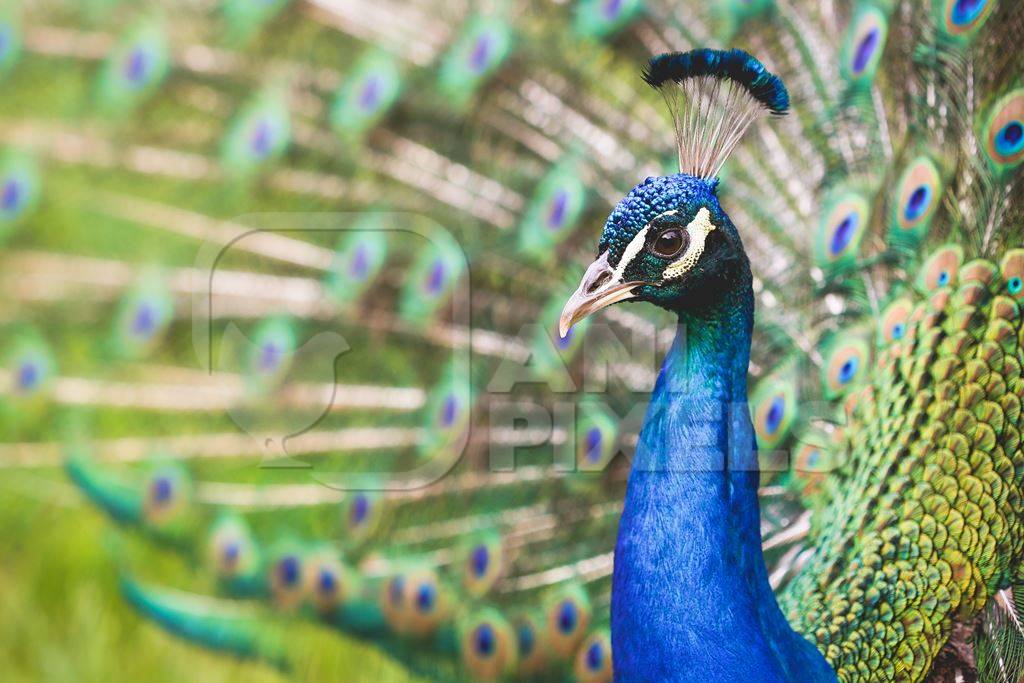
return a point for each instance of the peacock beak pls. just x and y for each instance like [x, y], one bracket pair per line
[599, 288]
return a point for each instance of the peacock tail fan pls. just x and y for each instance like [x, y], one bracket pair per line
[433, 489]
[215, 624]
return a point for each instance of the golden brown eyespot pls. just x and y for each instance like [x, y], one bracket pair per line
[895, 321]
[488, 646]
[1003, 132]
[1011, 270]
[846, 362]
[941, 269]
[594, 659]
[567, 615]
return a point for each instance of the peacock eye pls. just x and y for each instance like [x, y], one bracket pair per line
[670, 243]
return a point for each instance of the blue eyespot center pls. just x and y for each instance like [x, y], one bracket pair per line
[898, 330]
[865, 51]
[918, 203]
[262, 139]
[327, 582]
[145, 321]
[359, 266]
[1010, 138]
[611, 8]
[270, 356]
[360, 508]
[593, 444]
[449, 411]
[435, 278]
[557, 209]
[966, 11]
[813, 458]
[844, 233]
[370, 95]
[776, 411]
[1014, 285]
[162, 489]
[11, 196]
[595, 657]
[484, 640]
[848, 370]
[426, 597]
[480, 55]
[943, 278]
[29, 374]
[136, 67]
[230, 554]
[567, 616]
[479, 560]
[526, 639]
[288, 570]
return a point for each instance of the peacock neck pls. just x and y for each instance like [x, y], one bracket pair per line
[690, 592]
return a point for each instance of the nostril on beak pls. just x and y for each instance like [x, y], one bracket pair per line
[598, 282]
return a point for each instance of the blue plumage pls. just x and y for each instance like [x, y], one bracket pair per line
[735, 65]
[690, 593]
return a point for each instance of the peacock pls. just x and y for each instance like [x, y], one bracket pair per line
[311, 367]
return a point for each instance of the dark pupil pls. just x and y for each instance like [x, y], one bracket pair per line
[1013, 133]
[669, 243]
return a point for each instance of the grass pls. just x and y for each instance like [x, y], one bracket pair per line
[64, 619]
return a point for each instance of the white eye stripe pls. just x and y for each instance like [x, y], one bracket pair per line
[698, 229]
[632, 249]
[636, 245]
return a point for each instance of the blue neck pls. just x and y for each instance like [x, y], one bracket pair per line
[690, 592]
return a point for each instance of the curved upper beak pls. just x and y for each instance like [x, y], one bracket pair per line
[598, 289]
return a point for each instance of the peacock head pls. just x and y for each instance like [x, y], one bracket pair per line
[669, 241]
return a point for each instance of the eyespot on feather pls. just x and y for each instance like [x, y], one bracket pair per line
[488, 645]
[483, 561]
[427, 602]
[361, 515]
[940, 269]
[285, 575]
[863, 45]
[231, 549]
[774, 407]
[1011, 272]
[916, 199]
[594, 659]
[328, 581]
[167, 492]
[844, 221]
[532, 648]
[847, 358]
[960, 19]
[895, 321]
[567, 617]
[1002, 136]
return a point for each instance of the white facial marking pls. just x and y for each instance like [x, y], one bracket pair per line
[632, 249]
[698, 229]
